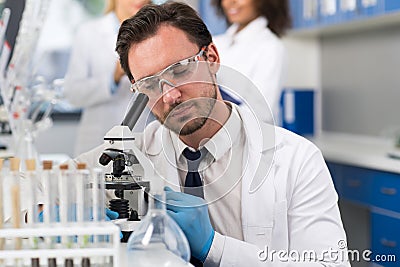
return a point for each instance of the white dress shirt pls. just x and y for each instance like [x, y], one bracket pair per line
[221, 175]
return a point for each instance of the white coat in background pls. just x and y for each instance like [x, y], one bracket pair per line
[259, 54]
[88, 82]
[293, 209]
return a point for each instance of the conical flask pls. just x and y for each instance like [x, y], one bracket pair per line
[158, 240]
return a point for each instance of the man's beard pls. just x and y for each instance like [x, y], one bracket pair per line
[187, 124]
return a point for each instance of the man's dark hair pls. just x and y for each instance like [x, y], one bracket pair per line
[277, 13]
[147, 21]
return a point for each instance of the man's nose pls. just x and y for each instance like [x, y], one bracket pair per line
[171, 94]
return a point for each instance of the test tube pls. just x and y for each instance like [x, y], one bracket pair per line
[32, 203]
[83, 211]
[32, 182]
[15, 192]
[46, 176]
[67, 205]
[15, 198]
[82, 180]
[97, 194]
[50, 189]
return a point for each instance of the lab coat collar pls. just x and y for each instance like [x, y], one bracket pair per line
[248, 32]
[153, 138]
[260, 135]
[262, 145]
[158, 147]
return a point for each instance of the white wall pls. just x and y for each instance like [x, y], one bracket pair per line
[361, 83]
[58, 139]
[304, 69]
[303, 62]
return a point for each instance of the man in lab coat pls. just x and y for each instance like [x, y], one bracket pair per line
[258, 195]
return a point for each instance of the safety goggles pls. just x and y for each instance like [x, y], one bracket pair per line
[174, 75]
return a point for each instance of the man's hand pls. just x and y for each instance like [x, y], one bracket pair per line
[111, 215]
[191, 214]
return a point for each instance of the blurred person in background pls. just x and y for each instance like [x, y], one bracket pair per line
[252, 46]
[95, 80]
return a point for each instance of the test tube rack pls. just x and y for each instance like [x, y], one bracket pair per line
[108, 248]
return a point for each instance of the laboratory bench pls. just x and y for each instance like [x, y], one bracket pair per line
[367, 178]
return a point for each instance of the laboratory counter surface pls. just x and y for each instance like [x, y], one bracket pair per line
[125, 262]
[358, 150]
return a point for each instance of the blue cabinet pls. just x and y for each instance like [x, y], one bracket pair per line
[385, 243]
[386, 190]
[370, 8]
[336, 173]
[305, 13]
[370, 187]
[296, 12]
[380, 192]
[321, 13]
[392, 6]
[215, 23]
[297, 110]
[329, 12]
[348, 10]
[357, 184]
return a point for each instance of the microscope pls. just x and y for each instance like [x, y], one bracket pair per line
[130, 186]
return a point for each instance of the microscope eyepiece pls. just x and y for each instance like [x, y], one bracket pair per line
[109, 155]
[104, 159]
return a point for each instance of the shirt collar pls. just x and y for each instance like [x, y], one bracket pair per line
[221, 142]
[247, 32]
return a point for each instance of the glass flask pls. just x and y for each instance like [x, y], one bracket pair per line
[158, 240]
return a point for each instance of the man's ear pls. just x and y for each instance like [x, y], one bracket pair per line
[213, 58]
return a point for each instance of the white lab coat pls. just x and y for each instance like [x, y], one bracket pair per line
[294, 208]
[88, 81]
[258, 54]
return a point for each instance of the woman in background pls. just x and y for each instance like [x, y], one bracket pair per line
[252, 46]
[95, 80]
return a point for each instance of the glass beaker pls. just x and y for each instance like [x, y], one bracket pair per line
[158, 240]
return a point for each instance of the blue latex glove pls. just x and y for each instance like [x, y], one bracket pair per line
[191, 214]
[111, 215]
